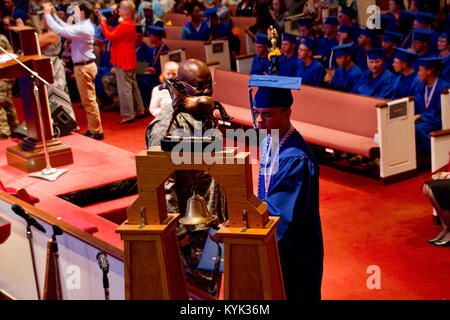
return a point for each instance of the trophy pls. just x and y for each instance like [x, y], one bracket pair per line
[274, 53]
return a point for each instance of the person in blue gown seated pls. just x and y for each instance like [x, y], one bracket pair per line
[261, 63]
[376, 81]
[420, 45]
[428, 101]
[329, 40]
[366, 40]
[143, 55]
[391, 40]
[288, 61]
[310, 70]
[406, 82]
[197, 28]
[444, 52]
[305, 30]
[150, 78]
[424, 20]
[405, 26]
[289, 185]
[345, 16]
[347, 75]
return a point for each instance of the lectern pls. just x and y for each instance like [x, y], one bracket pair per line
[28, 155]
[153, 268]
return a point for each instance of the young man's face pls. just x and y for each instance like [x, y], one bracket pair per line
[399, 65]
[442, 43]
[9, 4]
[329, 30]
[342, 60]
[375, 65]
[287, 47]
[419, 46]
[424, 73]
[303, 52]
[387, 45]
[272, 118]
[261, 49]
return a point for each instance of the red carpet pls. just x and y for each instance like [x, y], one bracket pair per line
[364, 224]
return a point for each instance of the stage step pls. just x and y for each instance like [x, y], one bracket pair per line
[113, 210]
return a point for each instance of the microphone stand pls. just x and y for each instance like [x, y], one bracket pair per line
[56, 232]
[48, 173]
[30, 241]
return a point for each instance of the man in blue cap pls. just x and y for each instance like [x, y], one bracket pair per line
[345, 16]
[288, 61]
[424, 20]
[404, 26]
[310, 70]
[328, 41]
[289, 185]
[376, 81]
[305, 26]
[366, 40]
[347, 75]
[345, 34]
[444, 52]
[428, 101]
[390, 41]
[420, 44]
[261, 63]
[406, 82]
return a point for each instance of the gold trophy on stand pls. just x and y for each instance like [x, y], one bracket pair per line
[275, 52]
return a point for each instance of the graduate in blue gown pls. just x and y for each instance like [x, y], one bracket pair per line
[366, 41]
[424, 20]
[305, 30]
[376, 81]
[288, 61]
[428, 101]
[420, 45]
[391, 40]
[261, 63]
[146, 82]
[326, 44]
[310, 70]
[405, 84]
[345, 16]
[197, 28]
[217, 29]
[289, 184]
[405, 27]
[444, 52]
[347, 75]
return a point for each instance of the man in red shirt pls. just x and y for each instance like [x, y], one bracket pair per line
[123, 57]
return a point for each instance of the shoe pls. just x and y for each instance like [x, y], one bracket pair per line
[127, 120]
[438, 237]
[87, 134]
[98, 136]
[140, 115]
[445, 243]
[356, 160]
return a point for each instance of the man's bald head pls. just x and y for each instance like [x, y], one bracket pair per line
[197, 74]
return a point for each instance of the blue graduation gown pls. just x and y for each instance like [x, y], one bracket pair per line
[445, 75]
[430, 118]
[405, 86]
[360, 58]
[223, 30]
[259, 66]
[380, 87]
[190, 33]
[388, 61]
[325, 47]
[293, 196]
[311, 75]
[346, 81]
[287, 66]
[103, 69]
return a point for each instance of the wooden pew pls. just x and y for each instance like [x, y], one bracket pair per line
[173, 32]
[177, 19]
[244, 63]
[339, 121]
[243, 22]
[177, 55]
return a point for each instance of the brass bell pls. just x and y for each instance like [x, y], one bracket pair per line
[197, 212]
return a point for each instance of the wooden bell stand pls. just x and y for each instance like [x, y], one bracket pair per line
[153, 267]
[29, 154]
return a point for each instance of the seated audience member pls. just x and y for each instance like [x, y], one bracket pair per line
[279, 14]
[390, 41]
[261, 63]
[424, 20]
[366, 40]
[438, 191]
[313, 9]
[288, 61]
[406, 82]
[326, 44]
[347, 75]
[223, 12]
[105, 80]
[444, 52]
[263, 18]
[145, 81]
[376, 81]
[405, 26]
[10, 10]
[311, 71]
[245, 8]
[161, 98]
[420, 44]
[197, 28]
[428, 101]
[149, 18]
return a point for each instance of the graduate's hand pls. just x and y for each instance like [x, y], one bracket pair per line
[150, 70]
[329, 75]
[416, 117]
[47, 8]
[113, 70]
[19, 22]
[101, 17]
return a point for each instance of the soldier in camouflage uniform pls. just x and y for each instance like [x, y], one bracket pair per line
[180, 186]
[8, 115]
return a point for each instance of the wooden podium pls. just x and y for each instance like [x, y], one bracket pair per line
[28, 155]
[153, 268]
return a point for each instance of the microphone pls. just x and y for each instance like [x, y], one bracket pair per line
[29, 219]
[103, 261]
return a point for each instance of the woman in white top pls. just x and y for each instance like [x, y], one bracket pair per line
[161, 98]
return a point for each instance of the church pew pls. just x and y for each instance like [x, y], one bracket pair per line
[340, 121]
[173, 32]
[243, 22]
[177, 19]
[244, 63]
[177, 55]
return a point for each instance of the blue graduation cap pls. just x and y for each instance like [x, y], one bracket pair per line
[305, 22]
[369, 33]
[376, 53]
[274, 91]
[332, 20]
[421, 34]
[210, 12]
[289, 37]
[425, 17]
[347, 29]
[139, 29]
[405, 55]
[342, 50]
[406, 15]
[309, 43]
[262, 38]
[429, 62]
[108, 12]
[347, 11]
[390, 36]
[156, 31]
[444, 35]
